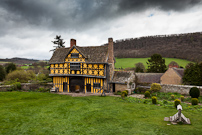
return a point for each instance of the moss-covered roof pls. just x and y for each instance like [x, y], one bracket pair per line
[121, 76]
[94, 54]
[148, 77]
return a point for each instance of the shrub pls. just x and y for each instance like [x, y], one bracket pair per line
[182, 98]
[194, 92]
[147, 94]
[118, 92]
[177, 102]
[165, 101]
[21, 75]
[15, 86]
[145, 101]
[172, 96]
[2, 73]
[126, 91]
[123, 94]
[194, 101]
[155, 87]
[41, 89]
[154, 100]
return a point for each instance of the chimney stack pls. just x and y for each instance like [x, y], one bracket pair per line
[111, 50]
[72, 42]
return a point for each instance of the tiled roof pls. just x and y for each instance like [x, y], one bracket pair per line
[95, 54]
[179, 71]
[121, 76]
[148, 77]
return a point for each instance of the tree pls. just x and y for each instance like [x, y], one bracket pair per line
[59, 42]
[156, 64]
[2, 73]
[10, 67]
[193, 74]
[173, 64]
[139, 67]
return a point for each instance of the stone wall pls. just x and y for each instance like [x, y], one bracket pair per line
[171, 77]
[28, 86]
[120, 87]
[182, 89]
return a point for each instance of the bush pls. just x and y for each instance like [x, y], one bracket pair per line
[41, 89]
[126, 91]
[154, 100]
[194, 101]
[176, 102]
[147, 94]
[2, 73]
[155, 87]
[15, 86]
[21, 75]
[118, 92]
[172, 96]
[165, 102]
[194, 92]
[123, 94]
[182, 98]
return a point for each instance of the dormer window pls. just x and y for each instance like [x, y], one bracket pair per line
[74, 55]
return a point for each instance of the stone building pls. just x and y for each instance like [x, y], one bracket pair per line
[172, 76]
[82, 69]
[123, 80]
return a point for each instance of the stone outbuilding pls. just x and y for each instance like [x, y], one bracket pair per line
[123, 80]
[172, 76]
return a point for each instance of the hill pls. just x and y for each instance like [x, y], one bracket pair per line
[183, 46]
[19, 60]
[130, 62]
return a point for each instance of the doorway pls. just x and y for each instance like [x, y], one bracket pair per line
[64, 86]
[76, 84]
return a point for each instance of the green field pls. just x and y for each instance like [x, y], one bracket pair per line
[27, 113]
[130, 62]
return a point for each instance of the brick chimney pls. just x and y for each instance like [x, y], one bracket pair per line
[72, 42]
[111, 50]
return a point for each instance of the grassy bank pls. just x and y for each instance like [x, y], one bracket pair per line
[46, 113]
[130, 62]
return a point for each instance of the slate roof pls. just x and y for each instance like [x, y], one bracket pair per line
[148, 77]
[93, 54]
[121, 76]
[179, 71]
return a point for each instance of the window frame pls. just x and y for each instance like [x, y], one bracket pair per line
[74, 55]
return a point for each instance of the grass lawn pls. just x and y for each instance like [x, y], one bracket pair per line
[45, 113]
[130, 62]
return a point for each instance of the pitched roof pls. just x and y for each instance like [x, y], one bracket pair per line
[94, 54]
[148, 77]
[179, 71]
[121, 76]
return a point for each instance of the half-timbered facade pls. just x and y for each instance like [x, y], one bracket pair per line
[82, 69]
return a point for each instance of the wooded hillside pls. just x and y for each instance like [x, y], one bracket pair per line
[184, 46]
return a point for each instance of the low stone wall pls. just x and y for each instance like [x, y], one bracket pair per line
[34, 86]
[182, 89]
[28, 86]
[4, 88]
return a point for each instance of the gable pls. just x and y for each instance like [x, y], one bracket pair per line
[74, 55]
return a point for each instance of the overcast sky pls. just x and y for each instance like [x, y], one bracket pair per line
[27, 27]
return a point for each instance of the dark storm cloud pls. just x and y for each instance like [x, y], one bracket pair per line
[78, 14]
[166, 5]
